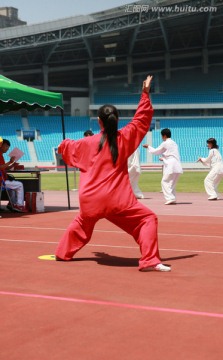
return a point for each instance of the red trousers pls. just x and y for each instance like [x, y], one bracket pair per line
[138, 221]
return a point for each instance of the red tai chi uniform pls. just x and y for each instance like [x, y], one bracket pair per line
[105, 190]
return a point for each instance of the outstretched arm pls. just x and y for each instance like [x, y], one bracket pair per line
[158, 151]
[134, 132]
[206, 161]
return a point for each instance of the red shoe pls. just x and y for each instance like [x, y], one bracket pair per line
[19, 208]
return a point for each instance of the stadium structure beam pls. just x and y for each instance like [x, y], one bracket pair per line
[88, 47]
[142, 34]
[22, 57]
[68, 88]
[207, 27]
[49, 51]
[205, 60]
[25, 71]
[165, 38]
[29, 36]
[68, 68]
[52, 70]
[133, 39]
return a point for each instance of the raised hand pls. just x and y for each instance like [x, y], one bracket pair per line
[147, 83]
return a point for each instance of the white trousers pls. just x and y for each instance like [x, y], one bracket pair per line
[168, 184]
[134, 178]
[211, 183]
[17, 195]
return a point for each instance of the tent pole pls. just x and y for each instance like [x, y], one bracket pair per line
[66, 170]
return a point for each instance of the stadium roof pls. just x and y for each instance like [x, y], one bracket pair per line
[147, 32]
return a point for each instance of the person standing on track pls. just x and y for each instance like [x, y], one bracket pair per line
[105, 190]
[172, 168]
[134, 173]
[214, 160]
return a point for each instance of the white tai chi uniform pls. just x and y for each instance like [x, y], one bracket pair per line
[171, 167]
[134, 171]
[212, 180]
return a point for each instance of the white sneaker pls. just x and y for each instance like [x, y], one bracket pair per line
[170, 202]
[212, 198]
[158, 267]
[140, 196]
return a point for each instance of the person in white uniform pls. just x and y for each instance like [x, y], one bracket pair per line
[214, 160]
[172, 167]
[134, 171]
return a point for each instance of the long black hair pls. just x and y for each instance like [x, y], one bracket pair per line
[109, 117]
[213, 142]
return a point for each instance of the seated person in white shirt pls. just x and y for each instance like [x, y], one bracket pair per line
[15, 187]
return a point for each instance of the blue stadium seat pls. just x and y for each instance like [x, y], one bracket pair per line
[198, 89]
[191, 136]
[9, 125]
[51, 132]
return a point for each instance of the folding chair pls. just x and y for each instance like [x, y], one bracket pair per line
[3, 187]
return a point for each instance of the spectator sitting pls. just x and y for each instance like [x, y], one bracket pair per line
[17, 193]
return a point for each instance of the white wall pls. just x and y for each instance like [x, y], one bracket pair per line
[79, 106]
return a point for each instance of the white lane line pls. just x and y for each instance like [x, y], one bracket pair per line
[114, 246]
[115, 231]
[193, 235]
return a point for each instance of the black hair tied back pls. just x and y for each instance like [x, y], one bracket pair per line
[109, 117]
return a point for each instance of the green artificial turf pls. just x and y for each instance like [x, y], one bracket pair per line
[189, 181]
[57, 180]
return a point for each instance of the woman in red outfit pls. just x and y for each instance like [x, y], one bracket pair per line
[105, 190]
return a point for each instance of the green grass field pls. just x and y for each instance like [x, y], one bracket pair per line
[190, 181]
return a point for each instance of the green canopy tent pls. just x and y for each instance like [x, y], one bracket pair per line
[15, 96]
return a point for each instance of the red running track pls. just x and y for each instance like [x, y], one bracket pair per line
[99, 306]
